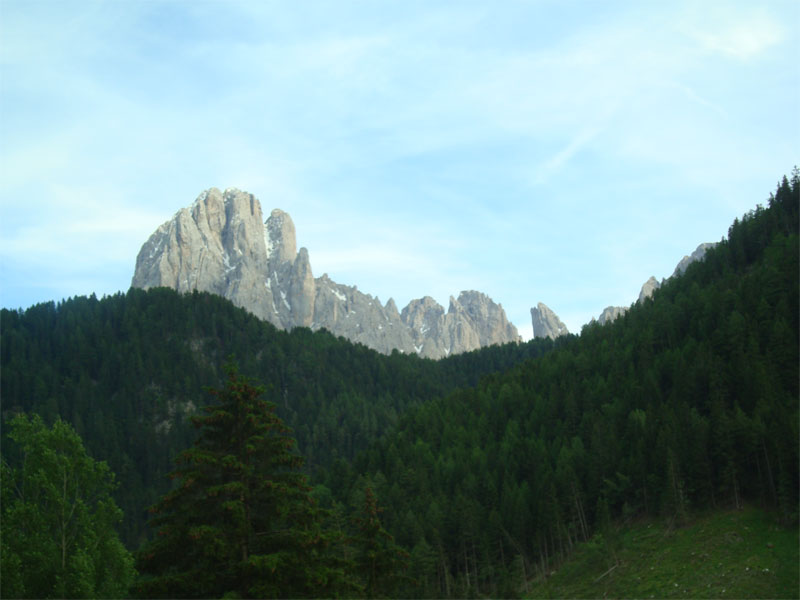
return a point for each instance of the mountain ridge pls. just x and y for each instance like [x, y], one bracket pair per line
[546, 323]
[221, 244]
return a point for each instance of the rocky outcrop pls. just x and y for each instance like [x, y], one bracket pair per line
[221, 245]
[425, 320]
[610, 313]
[472, 320]
[698, 254]
[345, 311]
[546, 323]
[651, 285]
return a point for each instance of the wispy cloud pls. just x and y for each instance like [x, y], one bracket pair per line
[553, 164]
[739, 34]
[420, 148]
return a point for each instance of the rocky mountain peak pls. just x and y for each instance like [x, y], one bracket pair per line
[280, 237]
[391, 307]
[221, 245]
[474, 302]
[698, 254]
[546, 323]
[489, 317]
[648, 288]
[610, 313]
[422, 314]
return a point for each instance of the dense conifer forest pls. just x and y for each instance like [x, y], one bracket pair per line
[127, 371]
[467, 476]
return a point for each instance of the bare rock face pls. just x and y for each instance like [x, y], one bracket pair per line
[221, 245]
[487, 318]
[280, 238]
[216, 245]
[359, 317]
[698, 254]
[425, 318]
[546, 323]
[471, 322]
[649, 286]
[610, 313]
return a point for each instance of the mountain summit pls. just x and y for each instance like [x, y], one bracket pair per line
[610, 313]
[221, 244]
[546, 323]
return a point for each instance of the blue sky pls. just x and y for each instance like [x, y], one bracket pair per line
[539, 151]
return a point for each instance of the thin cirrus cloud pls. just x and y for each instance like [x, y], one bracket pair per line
[742, 36]
[556, 152]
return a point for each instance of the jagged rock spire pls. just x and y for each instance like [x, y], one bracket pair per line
[546, 323]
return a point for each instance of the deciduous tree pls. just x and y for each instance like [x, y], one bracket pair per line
[58, 518]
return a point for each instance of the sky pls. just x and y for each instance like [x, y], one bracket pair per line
[538, 151]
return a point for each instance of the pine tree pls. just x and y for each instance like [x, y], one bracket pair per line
[379, 561]
[241, 521]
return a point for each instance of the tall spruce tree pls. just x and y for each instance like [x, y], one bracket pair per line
[379, 562]
[241, 521]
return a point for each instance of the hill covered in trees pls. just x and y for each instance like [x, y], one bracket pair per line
[690, 400]
[491, 466]
[127, 371]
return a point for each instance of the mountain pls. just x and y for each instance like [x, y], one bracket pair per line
[221, 245]
[610, 313]
[651, 285]
[698, 254]
[546, 323]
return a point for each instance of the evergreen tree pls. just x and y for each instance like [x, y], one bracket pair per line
[241, 521]
[379, 562]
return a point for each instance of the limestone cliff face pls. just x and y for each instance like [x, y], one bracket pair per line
[345, 311]
[546, 323]
[472, 321]
[221, 245]
[215, 245]
[425, 319]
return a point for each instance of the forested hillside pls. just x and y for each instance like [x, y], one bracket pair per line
[128, 370]
[487, 467]
[690, 400]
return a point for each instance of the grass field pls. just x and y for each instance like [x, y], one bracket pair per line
[732, 554]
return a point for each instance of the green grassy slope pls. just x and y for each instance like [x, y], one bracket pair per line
[730, 554]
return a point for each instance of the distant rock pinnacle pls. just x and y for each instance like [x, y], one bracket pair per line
[698, 254]
[610, 313]
[546, 323]
[649, 286]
